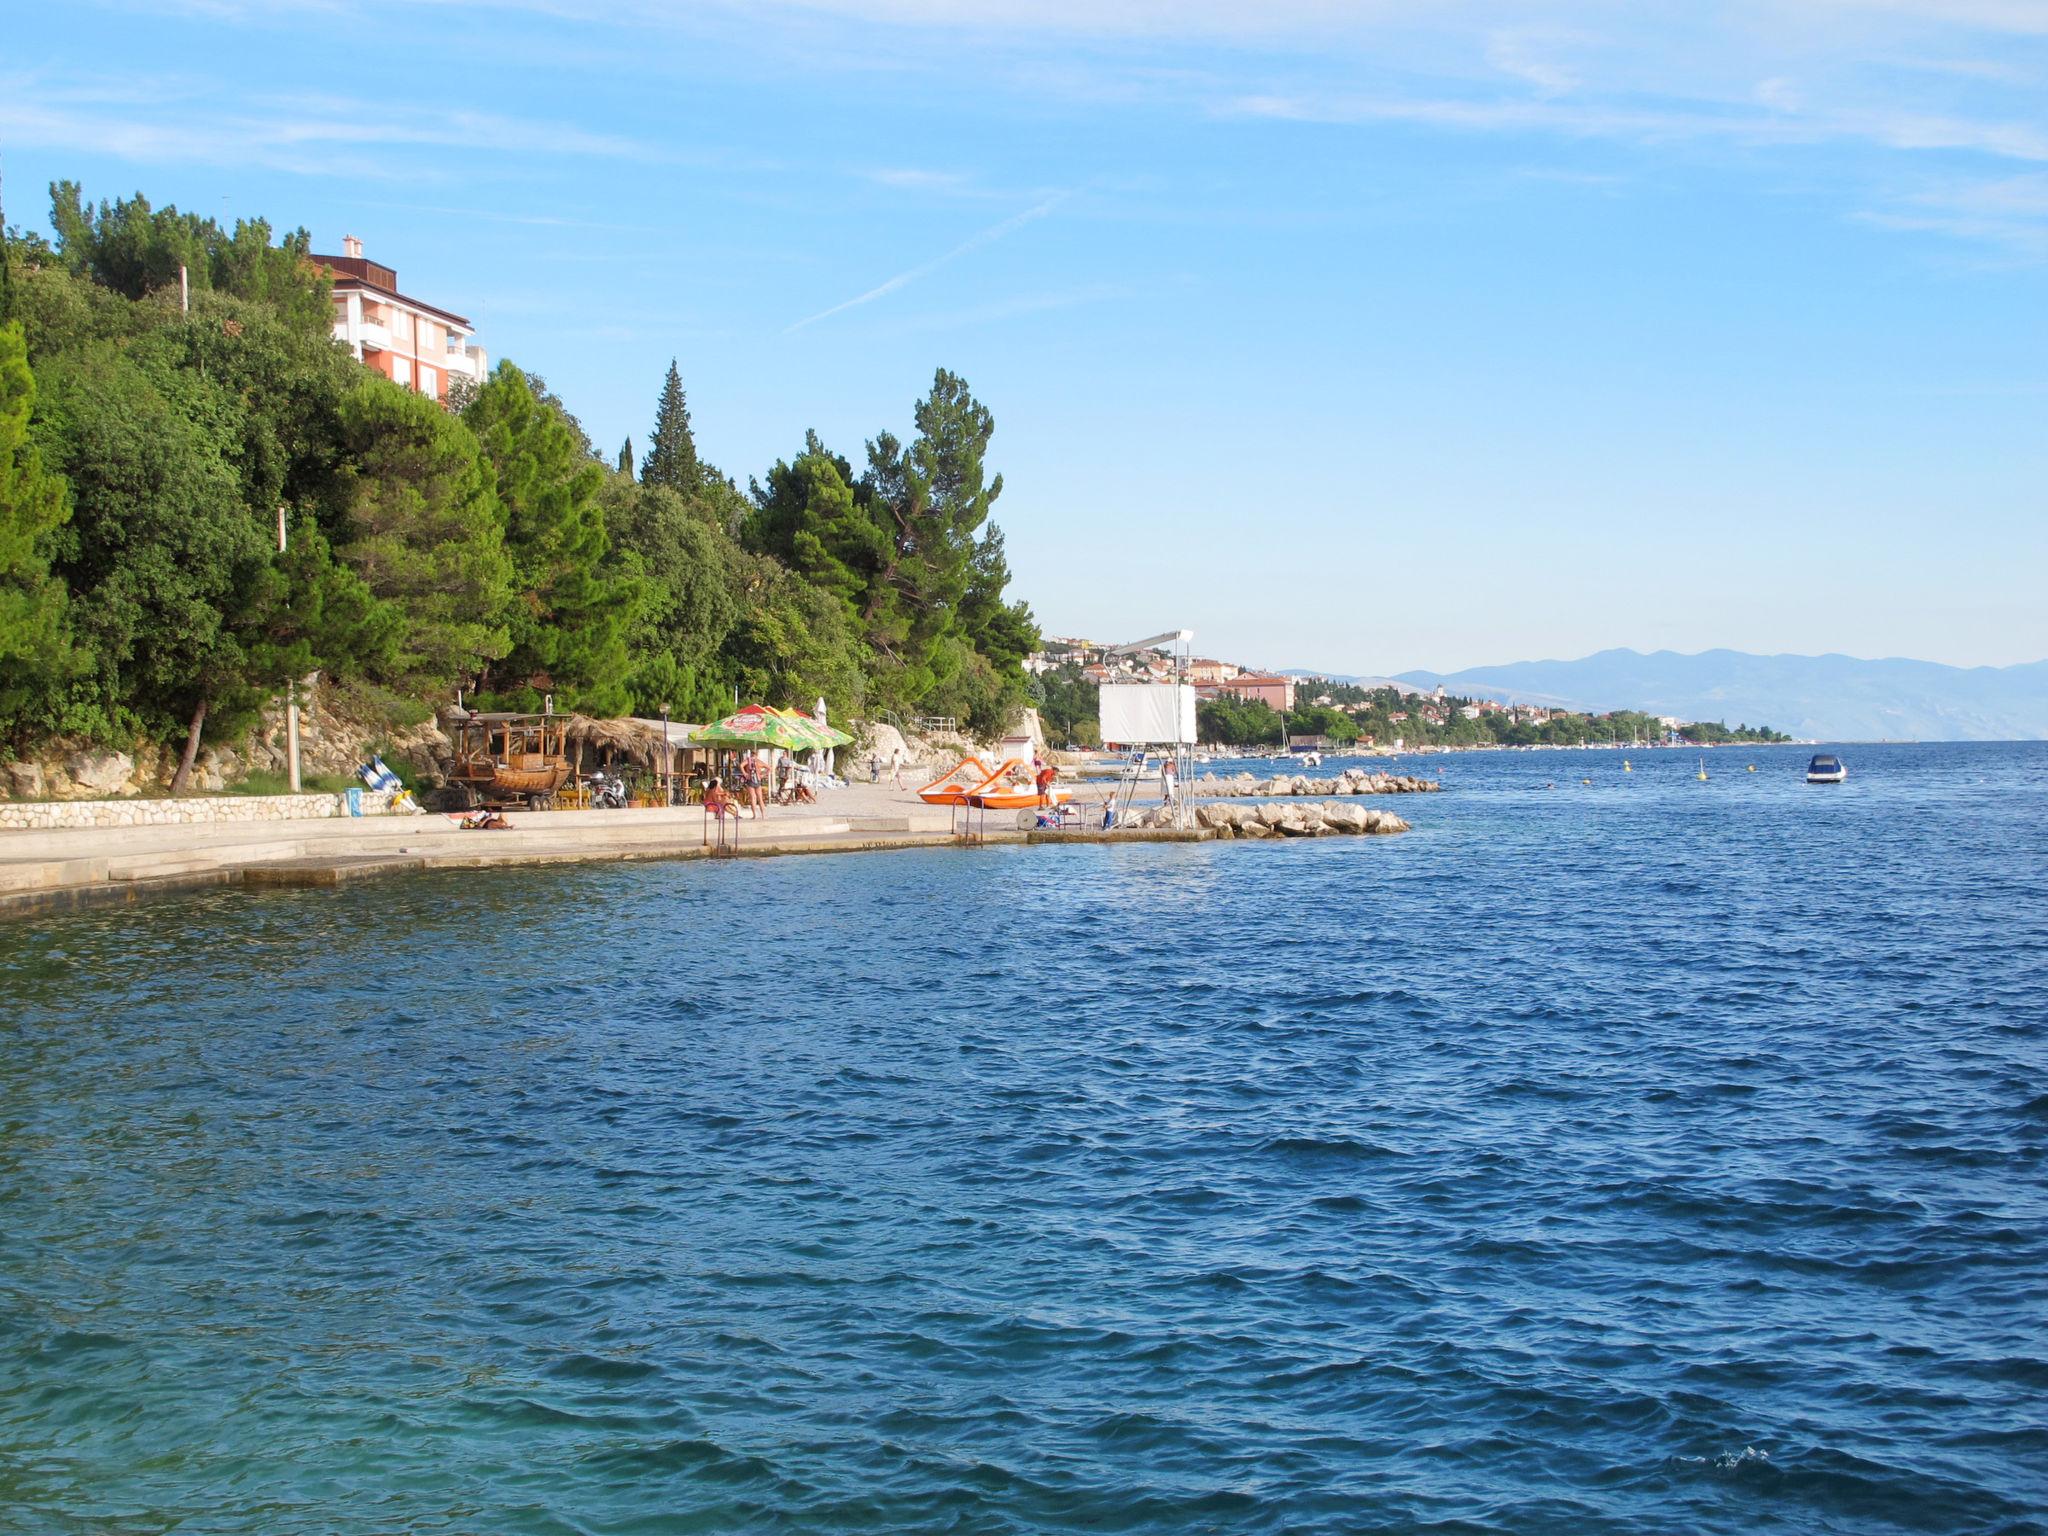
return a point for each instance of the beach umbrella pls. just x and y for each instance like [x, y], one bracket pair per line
[759, 725]
[828, 735]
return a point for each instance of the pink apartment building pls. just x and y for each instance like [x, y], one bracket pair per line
[1274, 692]
[410, 343]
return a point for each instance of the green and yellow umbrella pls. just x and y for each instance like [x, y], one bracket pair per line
[760, 725]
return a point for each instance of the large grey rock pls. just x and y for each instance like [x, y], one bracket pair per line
[103, 773]
[25, 780]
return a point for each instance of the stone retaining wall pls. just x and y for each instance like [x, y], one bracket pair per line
[57, 815]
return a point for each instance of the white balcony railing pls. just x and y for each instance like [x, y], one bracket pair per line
[465, 360]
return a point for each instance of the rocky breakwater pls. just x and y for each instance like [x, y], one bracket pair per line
[1277, 819]
[1328, 818]
[1352, 781]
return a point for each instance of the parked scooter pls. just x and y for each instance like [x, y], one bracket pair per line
[607, 792]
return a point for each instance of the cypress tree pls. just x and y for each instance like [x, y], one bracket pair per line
[626, 457]
[672, 452]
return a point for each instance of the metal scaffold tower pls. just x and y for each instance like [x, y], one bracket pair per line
[1135, 716]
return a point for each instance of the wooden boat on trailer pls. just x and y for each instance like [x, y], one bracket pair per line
[506, 760]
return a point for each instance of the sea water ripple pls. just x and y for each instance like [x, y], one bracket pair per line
[1638, 1156]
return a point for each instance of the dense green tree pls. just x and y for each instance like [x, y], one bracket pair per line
[689, 571]
[672, 450]
[1235, 722]
[33, 504]
[937, 602]
[793, 641]
[809, 517]
[1322, 720]
[278, 383]
[174, 581]
[1069, 706]
[424, 547]
[568, 619]
[134, 249]
[420, 522]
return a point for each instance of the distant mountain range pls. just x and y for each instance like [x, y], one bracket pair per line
[1827, 698]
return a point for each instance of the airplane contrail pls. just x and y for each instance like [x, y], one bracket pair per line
[988, 236]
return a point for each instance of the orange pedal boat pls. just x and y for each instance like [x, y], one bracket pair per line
[972, 782]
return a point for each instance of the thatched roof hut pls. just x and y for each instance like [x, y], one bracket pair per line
[637, 740]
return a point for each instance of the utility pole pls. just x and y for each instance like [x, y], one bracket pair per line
[291, 692]
[185, 304]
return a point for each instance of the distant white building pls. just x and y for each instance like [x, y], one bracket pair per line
[409, 342]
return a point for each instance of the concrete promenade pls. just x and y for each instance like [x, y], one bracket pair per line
[40, 870]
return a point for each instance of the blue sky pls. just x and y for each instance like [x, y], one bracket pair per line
[1362, 336]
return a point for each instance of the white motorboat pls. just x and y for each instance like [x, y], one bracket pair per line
[1826, 768]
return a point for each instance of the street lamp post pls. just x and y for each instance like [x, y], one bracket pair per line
[668, 762]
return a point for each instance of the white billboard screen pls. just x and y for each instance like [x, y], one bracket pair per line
[1147, 714]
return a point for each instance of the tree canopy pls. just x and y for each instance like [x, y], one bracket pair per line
[150, 452]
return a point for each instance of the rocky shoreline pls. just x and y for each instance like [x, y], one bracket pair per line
[1352, 781]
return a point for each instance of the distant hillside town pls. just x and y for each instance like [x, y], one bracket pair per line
[1250, 706]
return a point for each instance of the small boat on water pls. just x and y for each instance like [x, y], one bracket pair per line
[1826, 768]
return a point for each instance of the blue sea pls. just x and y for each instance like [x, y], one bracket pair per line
[1641, 1155]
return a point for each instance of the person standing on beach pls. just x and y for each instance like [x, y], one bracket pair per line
[897, 758]
[750, 781]
[1045, 776]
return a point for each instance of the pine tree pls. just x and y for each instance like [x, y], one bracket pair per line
[810, 518]
[423, 527]
[568, 619]
[672, 452]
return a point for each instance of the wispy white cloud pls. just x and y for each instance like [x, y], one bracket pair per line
[2021, 16]
[167, 122]
[2010, 212]
[1777, 123]
[920, 180]
[528, 220]
[905, 278]
[1525, 56]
